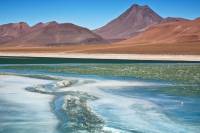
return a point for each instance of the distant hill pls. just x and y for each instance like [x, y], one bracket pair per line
[171, 32]
[133, 21]
[172, 19]
[43, 34]
[9, 32]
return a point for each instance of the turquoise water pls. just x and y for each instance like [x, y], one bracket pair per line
[93, 104]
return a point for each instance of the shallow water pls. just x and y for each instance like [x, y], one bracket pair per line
[94, 104]
[22, 111]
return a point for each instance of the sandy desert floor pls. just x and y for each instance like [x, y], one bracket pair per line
[179, 49]
[188, 52]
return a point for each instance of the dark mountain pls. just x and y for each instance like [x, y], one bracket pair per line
[51, 33]
[12, 31]
[133, 21]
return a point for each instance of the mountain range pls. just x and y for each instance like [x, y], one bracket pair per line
[51, 33]
[138, 25]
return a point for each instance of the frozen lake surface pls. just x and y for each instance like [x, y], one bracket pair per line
[74, 103]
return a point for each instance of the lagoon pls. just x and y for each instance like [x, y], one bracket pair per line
[136, 97]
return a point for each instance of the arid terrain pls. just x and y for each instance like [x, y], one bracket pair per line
[191, 49]
[139, 30]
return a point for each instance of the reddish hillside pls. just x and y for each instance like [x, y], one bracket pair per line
[12, 31]
[43, 34]
[169, 33]
[53, 33]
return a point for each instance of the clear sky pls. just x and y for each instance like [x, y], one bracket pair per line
[88, 13]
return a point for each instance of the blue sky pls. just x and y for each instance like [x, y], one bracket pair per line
[88, 13]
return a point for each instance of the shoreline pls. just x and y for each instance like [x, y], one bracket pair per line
[148, 57]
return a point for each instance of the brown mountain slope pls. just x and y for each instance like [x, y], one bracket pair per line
[169, 33]
[11, 31]
[52, 33]
[130, 23]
